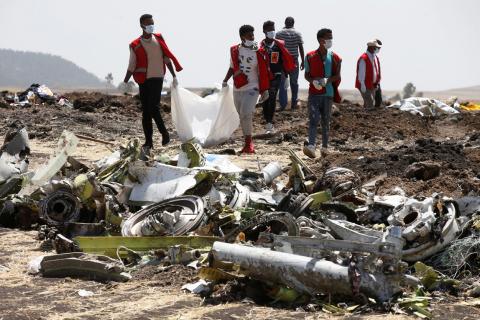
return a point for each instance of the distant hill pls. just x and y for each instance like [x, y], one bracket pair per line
[22, 68]
[468, 89]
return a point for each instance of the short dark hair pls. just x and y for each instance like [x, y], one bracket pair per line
[322, 33]
[289, 21]
[246, 28]
[145, 17]
[268, 23]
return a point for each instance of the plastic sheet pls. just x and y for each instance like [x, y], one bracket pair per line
[211, 120]
[423, 106]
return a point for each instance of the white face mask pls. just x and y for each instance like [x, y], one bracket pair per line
[376, 51]
[149, 29]
[328, 43]
[248, 43]
[270, 34]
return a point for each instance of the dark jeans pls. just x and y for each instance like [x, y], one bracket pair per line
[283, 97]
[270, 104]
[319, 109]
[378, 97]
[150, 93]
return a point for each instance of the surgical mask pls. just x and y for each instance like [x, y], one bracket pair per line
[328, 43]
[248, 43]
[270, 34]
[376, 51]
[149, 29]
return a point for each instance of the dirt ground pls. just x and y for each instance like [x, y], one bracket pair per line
[370, 143]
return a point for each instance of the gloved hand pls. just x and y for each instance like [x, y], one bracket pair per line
[286, 84]
[317, 84]
[122, 87]
[363, 88]
[224, 84]
[264, 96]
[174, 82]
[323, 81]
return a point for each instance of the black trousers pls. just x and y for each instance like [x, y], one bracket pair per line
[378, 97]
[150, 94]
[270, 104]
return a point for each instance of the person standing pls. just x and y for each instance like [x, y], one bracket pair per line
[369, 75]
[294, 44]
[149, 55]
[322, 71]
[251, 77]
[281, 61]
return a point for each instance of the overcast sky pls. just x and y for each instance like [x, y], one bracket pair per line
[433, 43]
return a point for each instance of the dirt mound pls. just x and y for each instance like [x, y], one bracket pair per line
[171, 276]
[459, 168]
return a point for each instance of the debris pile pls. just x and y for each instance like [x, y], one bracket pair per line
[307, 241]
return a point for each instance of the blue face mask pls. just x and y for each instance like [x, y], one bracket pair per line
[149, 29]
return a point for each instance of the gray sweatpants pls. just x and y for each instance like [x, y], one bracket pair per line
[245, 102]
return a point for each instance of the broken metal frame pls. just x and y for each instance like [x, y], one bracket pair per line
[307, 275]
[108, 245]
[312, 247]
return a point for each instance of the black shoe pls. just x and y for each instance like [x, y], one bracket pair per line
[145, 152]
[147, 145]
[165, 139]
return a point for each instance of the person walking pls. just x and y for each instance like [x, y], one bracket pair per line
[281, 62]
[294, 44]
[251, 77]
[149, 57]
[322, 71]
[369, 75]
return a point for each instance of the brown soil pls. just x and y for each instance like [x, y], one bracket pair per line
[368, 143]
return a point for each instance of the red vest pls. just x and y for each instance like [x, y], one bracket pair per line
[240, 79]
[140, 73]
[368, 72]
[288, 62]
[316, 70]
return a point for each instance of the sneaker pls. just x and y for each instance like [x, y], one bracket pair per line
[269, 128]
[145, 151]
[248, 147]
[324, 152]
[309, 151]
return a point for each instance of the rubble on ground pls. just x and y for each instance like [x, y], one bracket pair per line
[335, 239]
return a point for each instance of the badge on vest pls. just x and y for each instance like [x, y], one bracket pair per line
[275, 56]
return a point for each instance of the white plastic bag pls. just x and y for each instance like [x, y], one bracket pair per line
[211, 120]
[423, 106]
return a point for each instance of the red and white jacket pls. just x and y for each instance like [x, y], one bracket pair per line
[288, 61]
[240, 79]
[369, 77]
[140, 73]
[316, 70]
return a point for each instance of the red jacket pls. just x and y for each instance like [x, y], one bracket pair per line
[140, 73]
[316, 70]
[240, 79]
[368, 72]
[288, 61]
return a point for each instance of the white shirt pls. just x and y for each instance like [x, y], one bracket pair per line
[249, 66]
[362, 68]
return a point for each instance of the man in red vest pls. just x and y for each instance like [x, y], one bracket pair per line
[369, 75]
[149, 55]
[251, 77]
[322, 71]
[281, 61]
